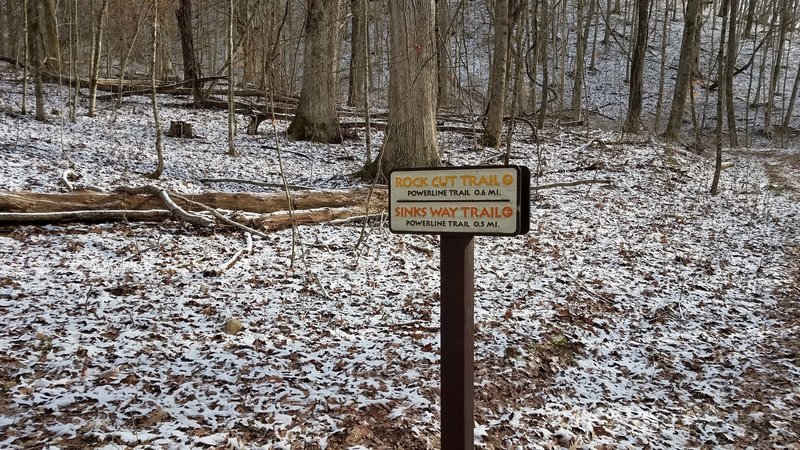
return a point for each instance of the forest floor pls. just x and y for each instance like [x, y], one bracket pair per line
[642, 314]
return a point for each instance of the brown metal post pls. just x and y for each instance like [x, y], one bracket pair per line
[457, 373]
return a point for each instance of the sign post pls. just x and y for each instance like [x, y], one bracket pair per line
[457, 319]
[459, 203]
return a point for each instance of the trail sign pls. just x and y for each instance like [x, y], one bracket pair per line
[459, 203]
[460, 200]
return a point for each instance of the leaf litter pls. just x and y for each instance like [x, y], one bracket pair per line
[644, 314]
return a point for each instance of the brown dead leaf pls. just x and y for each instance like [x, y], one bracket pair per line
[358, 434]
[155, 417]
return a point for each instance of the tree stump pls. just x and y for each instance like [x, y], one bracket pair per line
[180, 129]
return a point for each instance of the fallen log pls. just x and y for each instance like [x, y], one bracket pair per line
[108, 215]
[284, 219]
[266, 222]
[146, 203]
[293, 187]
[83, 200]
[141, 89]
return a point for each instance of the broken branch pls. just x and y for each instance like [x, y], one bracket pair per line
[179, 212]
[248, 249]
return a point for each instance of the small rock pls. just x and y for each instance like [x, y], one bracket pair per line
[233, 326]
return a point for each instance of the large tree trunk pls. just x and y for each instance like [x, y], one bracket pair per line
[358, 53]
[43, 20]
[497, 76]
[686, 66]
[411, 127]
[43, 47]
[633, 122]
[191, 70]
[316, 115]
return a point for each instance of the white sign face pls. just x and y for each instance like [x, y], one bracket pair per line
[461, 200]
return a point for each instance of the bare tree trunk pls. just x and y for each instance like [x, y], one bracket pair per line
[26, 60]
[154, 99]
[790, 108]
[72, 55]
[607, 30]
[191, 69]
[77, 90]
[580, 53]
[543, 54]
[231, 111]
[358, 52]
[316, 119]
[662, 69]
[367, 79]
[776, 68]
[97, 39]
[686, 67]
[44, 21]
[379, 50]
[5, 35]
[532, 63]
[730, 68]
[625, 32]
[712, 64]
[591, 22]
[273, 78]
[411, 128]
[16, 11]
[561, 52]
[633, 122]
[517, 79]
[721, 79]
[497, 76]
[38, 24]
[748, 21]
[123, 68]
[248, 43]
[442, 46]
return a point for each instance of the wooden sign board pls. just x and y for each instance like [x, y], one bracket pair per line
[473, 200]
[459, 203]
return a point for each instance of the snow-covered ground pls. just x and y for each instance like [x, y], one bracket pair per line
[645, 314]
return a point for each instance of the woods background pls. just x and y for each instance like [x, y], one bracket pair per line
[577, 62]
